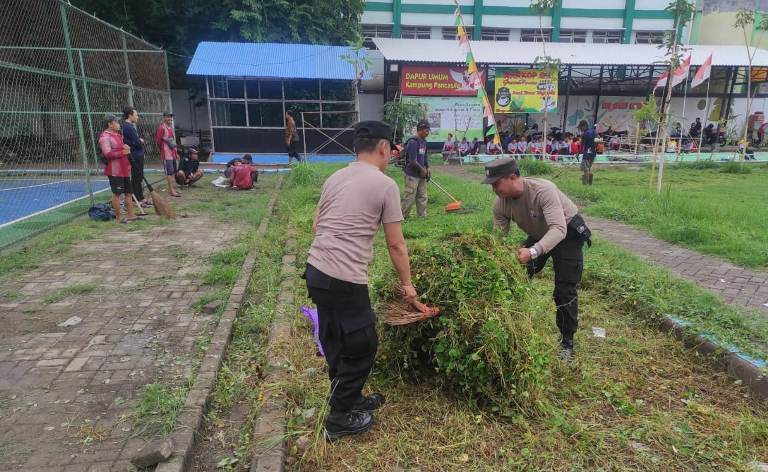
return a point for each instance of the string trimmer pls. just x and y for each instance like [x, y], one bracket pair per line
[455, 205]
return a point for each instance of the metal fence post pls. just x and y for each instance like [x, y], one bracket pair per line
[87, 107]
[127, 68]
[76, 98]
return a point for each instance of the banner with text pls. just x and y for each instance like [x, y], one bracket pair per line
[460, 116]
[525, 91]
[445, 81]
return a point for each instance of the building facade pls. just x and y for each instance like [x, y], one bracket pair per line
[574, 21]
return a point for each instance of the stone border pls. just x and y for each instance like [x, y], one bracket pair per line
[191, 418]
[269, 432]
[733, 362]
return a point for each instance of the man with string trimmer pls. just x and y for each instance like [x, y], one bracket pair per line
[554, 228]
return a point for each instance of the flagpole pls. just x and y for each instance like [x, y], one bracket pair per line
[706, 118]
[474, 72]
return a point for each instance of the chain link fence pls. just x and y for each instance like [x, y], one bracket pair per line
[61, 71]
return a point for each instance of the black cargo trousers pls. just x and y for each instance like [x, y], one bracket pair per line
[347, 334]
[568, 261]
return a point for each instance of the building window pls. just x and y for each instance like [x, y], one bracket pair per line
[573, 36]
[650, 37]
[375, 31]
[607, 37]
[535, 36]
[495, 34]
[416, 32]
[450, 32]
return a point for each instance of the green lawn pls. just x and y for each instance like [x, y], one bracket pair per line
[636, 400]
[706, 210]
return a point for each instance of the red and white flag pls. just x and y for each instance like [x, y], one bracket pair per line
[702, 75]
[679, 75]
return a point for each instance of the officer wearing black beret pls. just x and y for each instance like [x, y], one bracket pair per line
[554, 228]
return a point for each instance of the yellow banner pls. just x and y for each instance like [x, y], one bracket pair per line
[525, 91]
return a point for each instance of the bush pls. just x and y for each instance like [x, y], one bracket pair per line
[485, 345]
[735, 167]
[534, 167]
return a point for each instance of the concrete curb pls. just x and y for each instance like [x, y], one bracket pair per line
[269, 432]
[752, 372]
[191, 418]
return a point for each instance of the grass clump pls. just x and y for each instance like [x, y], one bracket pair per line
[64, 292]
[487, 344]
[699, 165]
[529, 167]
[159, 406]
[303, 175]
[735, 167]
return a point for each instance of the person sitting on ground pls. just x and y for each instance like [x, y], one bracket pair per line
[464, 147]
[189, 169]
[117, 168]
[565, 148]
[522, 146]
[492, 148]
[449, 147]
[511, 146]
[233, 162]
[245, 174]
[536, 147]
[506, 138]
[475, 147]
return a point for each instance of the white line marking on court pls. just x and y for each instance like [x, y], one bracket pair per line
[51, 208]
[32, 186]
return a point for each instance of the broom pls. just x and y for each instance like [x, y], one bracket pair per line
[455, 205]
[397, 313]
[162, 207]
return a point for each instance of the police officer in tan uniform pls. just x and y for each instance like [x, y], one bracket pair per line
[555, 229]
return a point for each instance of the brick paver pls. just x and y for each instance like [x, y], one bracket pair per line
[734, 284]
[65, 391]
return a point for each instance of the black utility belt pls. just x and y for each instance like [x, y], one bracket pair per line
[578, 229]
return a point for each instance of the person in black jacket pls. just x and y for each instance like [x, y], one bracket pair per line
[132, 138]
[189, 169]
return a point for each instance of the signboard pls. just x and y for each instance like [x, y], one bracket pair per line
[525, 91]
[440, 81]
[460, 116]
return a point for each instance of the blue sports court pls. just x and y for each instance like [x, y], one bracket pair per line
[24, 197]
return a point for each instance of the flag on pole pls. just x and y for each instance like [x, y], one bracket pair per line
[679, 75]
[702, 75]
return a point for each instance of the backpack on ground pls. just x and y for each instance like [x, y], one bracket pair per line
[101, 212]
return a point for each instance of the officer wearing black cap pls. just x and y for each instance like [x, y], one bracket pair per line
[554, 228]
[354, 203]
[417, 171]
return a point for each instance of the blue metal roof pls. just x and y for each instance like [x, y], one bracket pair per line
[272, 60]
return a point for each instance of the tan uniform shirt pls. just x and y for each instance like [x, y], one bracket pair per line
[354, 203]
[543, 212]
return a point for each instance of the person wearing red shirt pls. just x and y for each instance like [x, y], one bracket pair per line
[244, 175]
[117, 167]
[166, 144]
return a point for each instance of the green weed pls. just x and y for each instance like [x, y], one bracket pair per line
[158, 407]
[68, 291]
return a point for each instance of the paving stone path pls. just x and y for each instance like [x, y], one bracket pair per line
[65, 391]
[734, 284]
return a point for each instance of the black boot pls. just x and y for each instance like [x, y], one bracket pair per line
[369, 402]
[566, 347]
[346, 423]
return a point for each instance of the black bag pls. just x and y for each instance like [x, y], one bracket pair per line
[101, 212]
[580, 228]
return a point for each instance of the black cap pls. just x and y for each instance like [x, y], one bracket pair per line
[500, 168]
[167, 113]
[422, 124]
[373, 130]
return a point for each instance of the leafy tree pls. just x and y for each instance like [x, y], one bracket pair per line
[179, 25]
